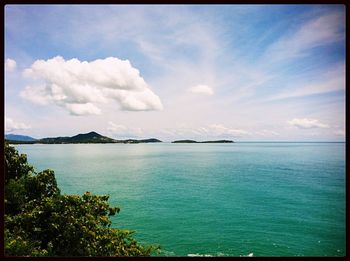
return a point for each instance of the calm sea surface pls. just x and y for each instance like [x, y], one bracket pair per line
[269, 199]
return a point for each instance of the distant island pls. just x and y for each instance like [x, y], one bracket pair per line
[138, 141]
[209, 141]
[91, 137]
[18, 137]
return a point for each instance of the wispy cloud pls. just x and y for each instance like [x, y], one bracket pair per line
[205, 132]
[339, 133]
[221, 130]
[279, 69]
[317, 32]
[267, 133]
[12, 125]
[122, 131]
[307, 123]
[202, 89]
[214, 131]
[330, 81]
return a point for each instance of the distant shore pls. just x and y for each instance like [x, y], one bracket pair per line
[91, 138]
[129, 141]
[208, 141]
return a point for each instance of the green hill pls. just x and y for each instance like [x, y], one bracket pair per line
[139, 141]
[91, 137]
[18, 137]
[184, 141]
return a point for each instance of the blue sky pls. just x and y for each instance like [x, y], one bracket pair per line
[241, 72]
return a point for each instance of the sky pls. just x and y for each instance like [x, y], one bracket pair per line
[203, 72]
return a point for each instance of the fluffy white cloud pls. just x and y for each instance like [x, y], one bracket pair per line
[10, 65]
[202, 89]
[80, 87]
[82, 109]
[307, 123]
[11, 125]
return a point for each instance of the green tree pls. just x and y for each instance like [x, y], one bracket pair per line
[40, 221]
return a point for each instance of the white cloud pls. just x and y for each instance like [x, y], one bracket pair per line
[82, 109]
[11, 125]
[317, 32]
[221, 130]
[116, 128]
[10, 65]
[202, 89]
[212, 131]
[267, 133]
[36, 94]
[307, 123]
[80, 87]
[331, 81]
[121, 131]
[339, 133]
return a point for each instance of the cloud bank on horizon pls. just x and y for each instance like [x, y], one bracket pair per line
[171, 72]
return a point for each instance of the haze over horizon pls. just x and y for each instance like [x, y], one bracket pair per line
[204, 72]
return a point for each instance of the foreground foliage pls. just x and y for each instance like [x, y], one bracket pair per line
[40, 221]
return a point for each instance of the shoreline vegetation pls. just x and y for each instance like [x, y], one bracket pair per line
[91, 137]
[40, 221]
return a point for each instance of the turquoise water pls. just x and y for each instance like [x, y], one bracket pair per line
[269, 199]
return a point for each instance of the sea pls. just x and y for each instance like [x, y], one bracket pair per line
[237, 199]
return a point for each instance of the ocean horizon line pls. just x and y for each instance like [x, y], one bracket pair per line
[202, 143]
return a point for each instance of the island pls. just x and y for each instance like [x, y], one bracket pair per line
[209, 141]
[138, 141]
[16, 137]
[91, 137]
